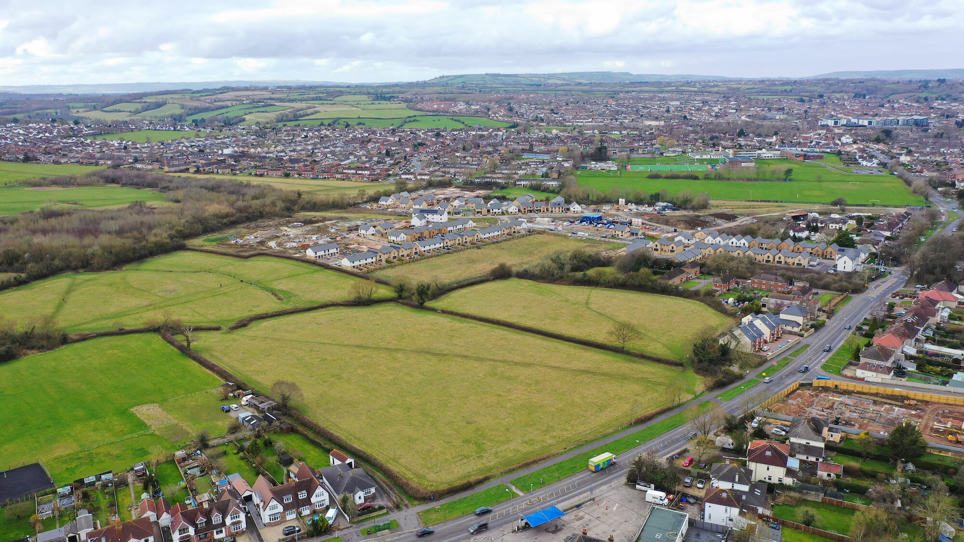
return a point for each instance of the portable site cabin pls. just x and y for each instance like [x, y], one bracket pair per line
[601, 461]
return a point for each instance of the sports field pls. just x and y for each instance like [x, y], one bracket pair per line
[667, 325]
[18, 171]
[19, 199]
[809, 183]
[146, 136]
[97, 405]
[475, 262]
[442, 399]
[194, 287]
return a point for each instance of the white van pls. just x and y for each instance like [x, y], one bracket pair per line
[331, 515]
[657, 497]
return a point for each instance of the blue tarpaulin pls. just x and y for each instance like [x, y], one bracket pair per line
[543, 516]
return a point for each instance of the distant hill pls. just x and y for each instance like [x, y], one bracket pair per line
[534, 79]
[134, 88]
[893, 74]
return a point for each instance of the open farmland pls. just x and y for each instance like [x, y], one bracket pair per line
[145, 136]
[485, 394]
[475, 262]
[195, 287]
[667, 324]
[326, 187]
[19, 199]
[18, 171]
[76, 408]
[809, 183]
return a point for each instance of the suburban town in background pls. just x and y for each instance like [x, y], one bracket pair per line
[582, 306]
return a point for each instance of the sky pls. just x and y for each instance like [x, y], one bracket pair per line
[110, 41]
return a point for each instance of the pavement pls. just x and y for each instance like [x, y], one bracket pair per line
[586, 485]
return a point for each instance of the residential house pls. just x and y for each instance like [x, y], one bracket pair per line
[849, 260]
[793, 317]
[726, 507]
[138, 530]
[770, 462]
[359, 259]
[806, 438]
[224, 518]
[342, 479]
[337, 457]
[288, 501]
[322, 251]
[770, 283]
[675, 277]
[730, 476]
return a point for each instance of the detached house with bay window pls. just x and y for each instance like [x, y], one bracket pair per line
[285, 502]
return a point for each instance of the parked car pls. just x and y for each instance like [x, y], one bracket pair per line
[700, 484]
[424, 531]
[483, 510]
[364, 506]
[780, 431]
[479, 527]
[774, 525]
[688, 461]
[688, 481]
[290, 530]
[235, 407]
[755, 423]
[225, 408]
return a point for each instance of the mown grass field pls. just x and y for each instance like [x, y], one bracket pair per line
[145, 136]
[20, 199]
[829, 517]
[466, 505]
[71, 408]
[18, 171]
[839, 359]
[441, 399]
[568, 467]
[194, 287]
[475, 262]
[810, 183]
[667, 325]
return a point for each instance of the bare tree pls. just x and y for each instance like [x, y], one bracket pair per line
[703, 444]
[286, 392]
[362, 291]
[624, 333]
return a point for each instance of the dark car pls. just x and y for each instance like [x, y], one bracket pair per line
[290, 530]
[479, 527]
[424, 531]
[827, 348]
[482, 510]
[364, 506]
[804, 369]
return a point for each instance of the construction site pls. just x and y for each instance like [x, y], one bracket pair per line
[939, 423]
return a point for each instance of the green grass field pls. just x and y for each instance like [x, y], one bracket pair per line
[302, 448]
[198, 288]
[568, 467]
[466, 505]
[829, 517]
[809, 184]
[145, 136]
[838, 360]
[513, 193]
[478, 261]
[790, 535]
[482, 396]
[96, 405]
[730, 394]
[11, 172]
[20, 199]
[325, 187]
[667, 325]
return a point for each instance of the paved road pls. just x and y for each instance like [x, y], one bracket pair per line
[584, 484]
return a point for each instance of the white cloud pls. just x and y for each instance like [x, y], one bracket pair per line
[251, 64]
[397, 40]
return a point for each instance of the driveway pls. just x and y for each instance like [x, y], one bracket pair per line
[272, 533]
